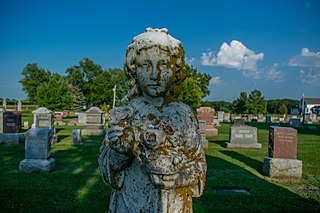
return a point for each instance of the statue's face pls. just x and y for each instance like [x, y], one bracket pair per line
[153, 71]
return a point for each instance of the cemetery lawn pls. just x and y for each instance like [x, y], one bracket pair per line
[76, 185]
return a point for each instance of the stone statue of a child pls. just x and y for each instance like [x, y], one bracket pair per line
[152, 155]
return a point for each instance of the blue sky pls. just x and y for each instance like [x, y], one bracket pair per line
[273, 46]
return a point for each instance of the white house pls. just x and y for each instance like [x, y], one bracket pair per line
[310, 105]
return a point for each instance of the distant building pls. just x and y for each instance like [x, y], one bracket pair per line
[310, 105]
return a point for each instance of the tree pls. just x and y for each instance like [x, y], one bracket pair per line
[283, 109]
[194, 87]
[273, 106]
[78, 99]
[55, 94]
[240, 105]
[104, 84]
[191, 93]
[83, 76]
[256, 103]
[34, 76]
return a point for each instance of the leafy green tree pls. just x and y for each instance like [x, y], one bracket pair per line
[104, 84]
[83, 76]
[283, 109]
[55, 94]
[273, 106]
[190, 93]
[240, 105]
[34, 76]
[256, 103]
[194, 87]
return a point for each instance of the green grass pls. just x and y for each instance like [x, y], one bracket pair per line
[76, 185]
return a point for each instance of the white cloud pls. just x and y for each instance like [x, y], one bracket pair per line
[190, 61]
[305, 59]
[311, 77]
[215, 80]
[273, 74]
[236, 55]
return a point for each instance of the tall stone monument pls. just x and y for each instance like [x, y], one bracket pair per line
[38, 148]
[19, 106]
[207, 114]
[202, 130]
[93, 122]
[282, 153]
[152, 154]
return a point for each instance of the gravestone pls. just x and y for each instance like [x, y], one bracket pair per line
[11, 127]
[238, 122]
[220, 116]
[59, 119]
[243, 137]
[4, 105]
[202, 129]
[82, 118]
[260, 118]
[19, 106]
[226, 117]
[254, 120]
[26, 124]
[76, 137]
[43, 118]
[282, 153]
[37, 151]
[207, 114]
[295, 122]
[11, 122]
[268, 119]
[93, 122]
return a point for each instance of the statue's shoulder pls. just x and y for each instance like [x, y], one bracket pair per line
[183, 108]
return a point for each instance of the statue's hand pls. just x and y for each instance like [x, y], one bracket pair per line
[119, 138]
[164, 181]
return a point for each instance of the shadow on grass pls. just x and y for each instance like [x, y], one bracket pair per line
[221, 143]
[265, 196]
[74, 186]
[256, 165]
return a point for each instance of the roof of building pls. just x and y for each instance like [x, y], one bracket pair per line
[312, 100]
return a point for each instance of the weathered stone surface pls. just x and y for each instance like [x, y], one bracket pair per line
[243, 137]
[76, 136]
[152, 154]
[282, 142]
[226, 117]
[82, 118]
[11, 137]
[278, 167]
[220, 116]
[19, 106]
[37, 165]
[202, 129]
[38, 143]
[43, 118]
[268, 119]
[94, 125]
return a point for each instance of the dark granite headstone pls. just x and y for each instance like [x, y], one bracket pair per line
[11, 122]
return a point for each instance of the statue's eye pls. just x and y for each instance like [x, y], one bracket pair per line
[163, 66]
[146, 65]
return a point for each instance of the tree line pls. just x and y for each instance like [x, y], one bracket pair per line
[253, 103]
[89, 84]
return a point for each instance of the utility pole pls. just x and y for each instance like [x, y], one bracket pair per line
[302, 107]
[114, 96]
